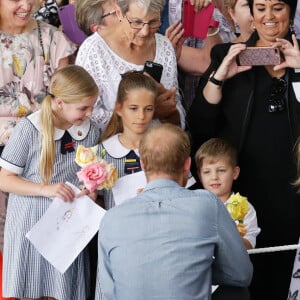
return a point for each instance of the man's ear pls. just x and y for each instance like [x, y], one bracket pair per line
[142, 165]
[187, 164]
[236, 172]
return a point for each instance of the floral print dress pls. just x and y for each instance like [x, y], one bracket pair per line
[26, 65]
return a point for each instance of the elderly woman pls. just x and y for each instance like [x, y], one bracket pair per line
[258, 109]
[126, 45]
[91, 15]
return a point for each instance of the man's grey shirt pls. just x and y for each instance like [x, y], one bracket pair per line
[169, 243]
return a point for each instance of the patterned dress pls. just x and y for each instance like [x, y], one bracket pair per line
[25, 272]
[106, 67]
[25, 71]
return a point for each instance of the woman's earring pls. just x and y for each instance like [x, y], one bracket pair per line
[253, 27]
[236, 28]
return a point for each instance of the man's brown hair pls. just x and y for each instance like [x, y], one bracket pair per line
[164, 149]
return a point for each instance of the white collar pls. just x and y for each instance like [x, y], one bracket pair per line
[115, 149]
[78, 133]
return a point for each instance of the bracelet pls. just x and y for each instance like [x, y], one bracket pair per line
[214, 80]
[214, 33]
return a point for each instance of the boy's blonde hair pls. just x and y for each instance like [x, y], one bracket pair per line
[70, 84]
[213, 149]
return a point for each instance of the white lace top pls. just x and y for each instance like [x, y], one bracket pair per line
[105, 66]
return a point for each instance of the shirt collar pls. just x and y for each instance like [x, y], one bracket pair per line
[115, 149]
[159, 183]
[77, 132]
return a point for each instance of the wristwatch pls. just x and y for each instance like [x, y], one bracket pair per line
[214, 80]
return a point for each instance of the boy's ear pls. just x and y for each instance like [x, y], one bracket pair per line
[236, 172]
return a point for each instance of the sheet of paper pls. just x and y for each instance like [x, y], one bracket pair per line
[126, 187]
[65, 229]
[296, 87]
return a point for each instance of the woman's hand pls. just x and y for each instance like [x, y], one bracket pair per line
[229, 67]
[290, 51]
[165, 108]
[199, 4]
[60, 190]
[175, 34]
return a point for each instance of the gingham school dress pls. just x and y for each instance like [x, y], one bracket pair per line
[25, 272]
[117, 154]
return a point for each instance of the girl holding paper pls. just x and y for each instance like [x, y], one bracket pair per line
[37, 160]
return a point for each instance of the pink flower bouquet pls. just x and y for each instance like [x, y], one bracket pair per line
[96, 173]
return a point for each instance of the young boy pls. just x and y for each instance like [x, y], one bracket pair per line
[217, 167]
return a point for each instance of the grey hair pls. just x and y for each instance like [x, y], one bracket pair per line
[149, 5]
[89, 12]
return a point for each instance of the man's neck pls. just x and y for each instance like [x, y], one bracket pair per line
[155, 176]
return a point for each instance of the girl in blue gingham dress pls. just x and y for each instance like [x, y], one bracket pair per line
[36, 162]
[132, 116]
[133, 113]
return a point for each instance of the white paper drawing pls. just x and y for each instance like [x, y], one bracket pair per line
[65, 229]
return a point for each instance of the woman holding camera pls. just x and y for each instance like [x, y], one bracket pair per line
[125, 46]
[257, 108]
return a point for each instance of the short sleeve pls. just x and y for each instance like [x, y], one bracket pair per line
[15, 154]
[57, 45]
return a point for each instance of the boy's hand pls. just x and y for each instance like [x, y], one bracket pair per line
[241, 229]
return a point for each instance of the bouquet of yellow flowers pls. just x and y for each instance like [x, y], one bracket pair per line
[96, 173]
[238, 207]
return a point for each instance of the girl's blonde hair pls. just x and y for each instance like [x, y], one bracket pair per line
[131, 80]
[70, 84]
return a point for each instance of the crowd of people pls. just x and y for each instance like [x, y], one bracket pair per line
[234, 127]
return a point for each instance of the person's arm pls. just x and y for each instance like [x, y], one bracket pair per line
[232, 265]
[14, 160]
[253, 230]
[291, 53]
[105, 282]
[202, 112]
[171, 99]
[227, 69]
[63, 62]
[12, 183]
[192, 60]
[195, 61]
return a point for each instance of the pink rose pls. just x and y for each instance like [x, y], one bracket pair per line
[93, 175]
